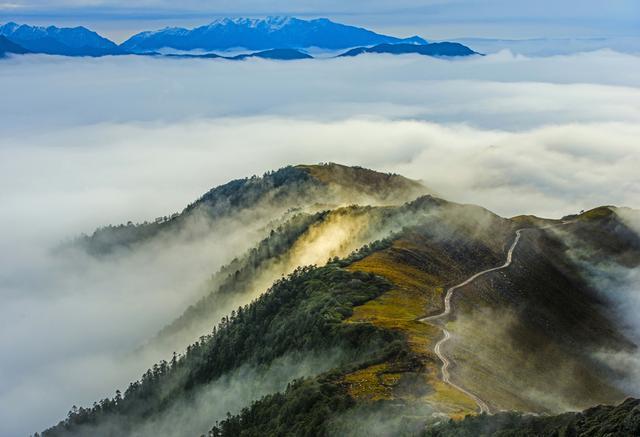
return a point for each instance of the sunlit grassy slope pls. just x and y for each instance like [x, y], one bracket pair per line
[252, 200]
[535, 337]
[379, 188]
[524, 338]
[420, 267]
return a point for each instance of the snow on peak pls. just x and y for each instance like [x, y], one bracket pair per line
[277, 22]
[270, 23]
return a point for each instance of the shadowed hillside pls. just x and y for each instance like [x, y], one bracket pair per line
[308, 188]
[620, 420]
[341, 334]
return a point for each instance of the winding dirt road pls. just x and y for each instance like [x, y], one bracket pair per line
[484, 408]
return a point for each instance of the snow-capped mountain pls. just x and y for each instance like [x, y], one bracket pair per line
[261, 34]
[76, 41]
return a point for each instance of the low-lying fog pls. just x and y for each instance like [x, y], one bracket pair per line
[89, 142]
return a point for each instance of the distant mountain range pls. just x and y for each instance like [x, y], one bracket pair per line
[283, 38]
[261, 34]
[447, 49]
[279, 54]
[8, 46]
[76, 41]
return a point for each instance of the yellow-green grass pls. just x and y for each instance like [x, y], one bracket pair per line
[415, 293]
[533, 221]
[597, 213]
[447, 399]
[373, 383]
[367, 181]
[593, 214]
[402, 306]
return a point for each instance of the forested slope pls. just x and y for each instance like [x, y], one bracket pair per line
[340, 336]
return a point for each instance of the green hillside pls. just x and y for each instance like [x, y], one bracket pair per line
[348, 287]
[309, 188]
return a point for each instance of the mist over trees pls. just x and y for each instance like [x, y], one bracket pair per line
[300, 313]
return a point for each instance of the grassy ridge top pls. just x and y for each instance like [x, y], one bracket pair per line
[369, 304]
[367, 181]
[263, 198]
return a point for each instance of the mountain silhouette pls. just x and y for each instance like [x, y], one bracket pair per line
[260, 34]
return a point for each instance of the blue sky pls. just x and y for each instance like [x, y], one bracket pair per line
[431, 18]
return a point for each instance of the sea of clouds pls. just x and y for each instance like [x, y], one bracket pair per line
[89, 142]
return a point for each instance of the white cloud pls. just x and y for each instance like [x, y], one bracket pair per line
[88, 142]
[138, 88]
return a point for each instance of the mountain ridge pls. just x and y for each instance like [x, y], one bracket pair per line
[272, 187]
[260, 34]
[280, 38]
[8, 46]
[437, 49]
[375, 272]
[76, 41]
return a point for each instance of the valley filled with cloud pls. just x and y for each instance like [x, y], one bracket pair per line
[92, 142]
